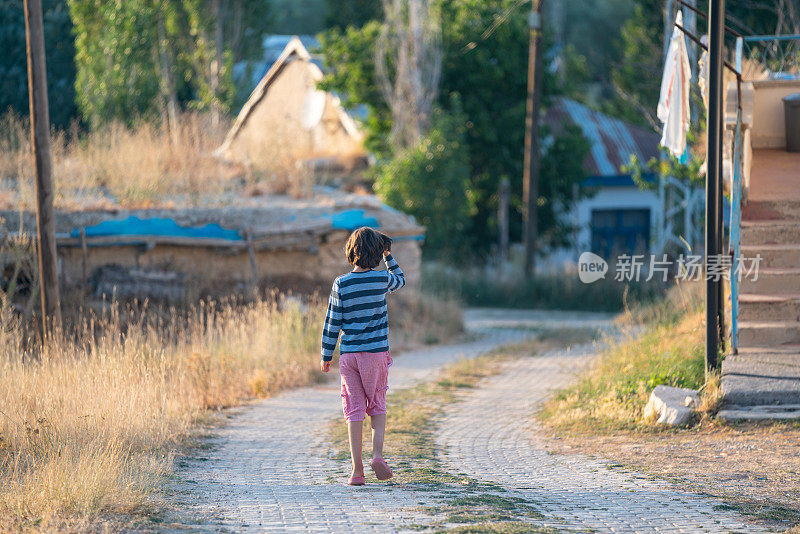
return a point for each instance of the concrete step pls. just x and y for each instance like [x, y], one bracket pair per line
[772, 281]
[768, 333]
[761, 307]
[755, 378]
[770, 232]
[769, 412]
[771, 209]
[776, 256]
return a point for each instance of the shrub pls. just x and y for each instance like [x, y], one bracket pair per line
[431, 182]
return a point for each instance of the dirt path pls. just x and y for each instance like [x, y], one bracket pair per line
[270, 469]
[489, 435]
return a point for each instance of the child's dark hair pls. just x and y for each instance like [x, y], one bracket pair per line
[365, 247]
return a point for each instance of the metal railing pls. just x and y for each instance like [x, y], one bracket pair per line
[735, 229]
[779, 55]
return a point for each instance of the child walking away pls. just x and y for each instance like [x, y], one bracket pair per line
[357, 309]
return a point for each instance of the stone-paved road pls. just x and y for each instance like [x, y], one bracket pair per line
[270, 468]
[490, 435]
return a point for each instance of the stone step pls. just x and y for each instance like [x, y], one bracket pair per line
[759, 378]
[772, 281]
[770, 232]
[760, 307]
[768, 333]
[769, 412]
[771, 209]
[777, 256]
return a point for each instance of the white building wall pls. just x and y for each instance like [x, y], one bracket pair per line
[608, 198]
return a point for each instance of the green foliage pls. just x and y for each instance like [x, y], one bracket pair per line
[561, 171]
[115, 58]
[59, 52]
[485, 63]
[301, 18]
[349, 55]
[430, 182]
[590, 31]
[119, 53]
[356, 13]
[637, 76]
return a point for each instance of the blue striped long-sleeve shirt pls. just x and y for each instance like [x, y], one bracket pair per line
[357, 309]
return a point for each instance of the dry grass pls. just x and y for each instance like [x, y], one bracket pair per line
[89, 422]
[139, 167]
[419, 319]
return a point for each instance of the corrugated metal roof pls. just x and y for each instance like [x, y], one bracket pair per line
[612, 140]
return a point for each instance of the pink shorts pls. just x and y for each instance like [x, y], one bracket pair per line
[365, 379]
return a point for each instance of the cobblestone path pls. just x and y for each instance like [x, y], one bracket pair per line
[270, 469]
[489, 435]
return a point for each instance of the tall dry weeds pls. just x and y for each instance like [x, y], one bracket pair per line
[89, 422]
[140, 167]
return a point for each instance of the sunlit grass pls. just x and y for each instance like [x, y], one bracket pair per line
[661, 343]
[89, 422]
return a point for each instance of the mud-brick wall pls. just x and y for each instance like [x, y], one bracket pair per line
[212, 268]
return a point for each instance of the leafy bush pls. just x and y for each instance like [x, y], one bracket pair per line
[431, 182]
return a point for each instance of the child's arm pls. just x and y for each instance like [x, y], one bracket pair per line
[333, 324]
[396, 277]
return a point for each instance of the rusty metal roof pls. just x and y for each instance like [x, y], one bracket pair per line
[612, 140]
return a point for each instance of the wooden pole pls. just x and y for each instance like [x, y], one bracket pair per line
[530, 178]
[40, 141]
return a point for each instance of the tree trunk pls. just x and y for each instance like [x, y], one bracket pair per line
[168, 82]
[216, 65]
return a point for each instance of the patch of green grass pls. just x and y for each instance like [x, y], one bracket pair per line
[663, 343]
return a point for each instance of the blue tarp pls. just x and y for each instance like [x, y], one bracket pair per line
[352, 219]
[134, 226]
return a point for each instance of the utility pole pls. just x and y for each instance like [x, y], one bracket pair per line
[716, 18]
[40, 141]
[531, 164]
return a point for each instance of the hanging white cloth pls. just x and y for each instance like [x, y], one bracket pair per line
[673, 104]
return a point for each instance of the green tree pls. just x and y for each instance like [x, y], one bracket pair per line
[561, 171]
[116, 53]
[430, 182]
[60, 66]
[349, 56]
[637, 76]
[485, 63]
[137, 57]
